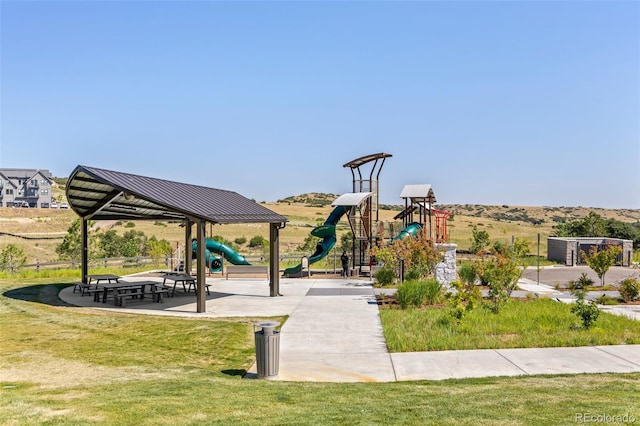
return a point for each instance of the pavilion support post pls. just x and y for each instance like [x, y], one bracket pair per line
[274, 259]
[201, 268]
[84, 231]
[187, 246]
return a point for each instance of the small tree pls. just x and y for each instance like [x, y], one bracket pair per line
[158, 249]
[466, 294]
[133, 243]
[600, 261]
[389, 260]
[502, 272]
[479, 240]
[12, 258]
[586, 310]
[71, 246]
[109, 243]
[346, 241]
[310, 243]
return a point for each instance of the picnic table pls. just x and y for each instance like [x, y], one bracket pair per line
[179, 278]
[104, 277]
[92, 287]
[186, 280]
[122, 290]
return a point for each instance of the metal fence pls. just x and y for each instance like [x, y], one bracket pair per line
[168, 262]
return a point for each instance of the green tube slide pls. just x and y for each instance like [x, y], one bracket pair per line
[327, 232]
[411, 230]
[214, 248]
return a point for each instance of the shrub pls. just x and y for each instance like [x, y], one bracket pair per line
[586, 311]
[130, 225]
[240, 240]
[462, 299]
[581, 283]
[418, 293]
[411, 293]
[629, 289]
[468, 274]
[433, 291]
[412, 274]
[385, 275]
[257, 241]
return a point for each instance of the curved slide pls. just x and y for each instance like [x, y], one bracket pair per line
[411, 230]
[327, 232]
[215, 262]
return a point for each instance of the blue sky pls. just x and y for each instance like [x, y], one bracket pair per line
[513, 102]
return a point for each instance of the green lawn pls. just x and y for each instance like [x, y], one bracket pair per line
[519, 324]
[73, 366]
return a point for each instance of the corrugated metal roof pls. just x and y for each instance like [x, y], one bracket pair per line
[416, 192]
[100, 194]
[351, 199]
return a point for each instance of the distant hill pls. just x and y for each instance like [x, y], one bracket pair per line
[526, 214]
[311, 199]
[538, 215]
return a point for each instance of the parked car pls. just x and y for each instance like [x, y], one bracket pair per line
[53, 205]
[24, 204]
[64, 206]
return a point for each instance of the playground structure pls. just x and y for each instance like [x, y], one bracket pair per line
[418, 201]
[362, 210]
[364, 219]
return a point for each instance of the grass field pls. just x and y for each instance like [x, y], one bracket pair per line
[519, 324]
[71, 366]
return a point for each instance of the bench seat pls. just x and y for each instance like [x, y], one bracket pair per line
[96, 293]
[192, 284]
[124, 293]
[246, 270]
[83, 287]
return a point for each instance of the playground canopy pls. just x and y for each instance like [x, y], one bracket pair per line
[99, 194]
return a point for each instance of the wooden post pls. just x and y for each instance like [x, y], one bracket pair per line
[187, 246]
[84, 230]
[201, 268]
[274, 259]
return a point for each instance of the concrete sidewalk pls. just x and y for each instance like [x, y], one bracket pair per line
[334, 334]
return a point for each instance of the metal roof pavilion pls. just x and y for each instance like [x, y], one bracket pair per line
[99, 194]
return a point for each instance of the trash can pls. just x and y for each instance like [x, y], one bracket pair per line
[267, 348]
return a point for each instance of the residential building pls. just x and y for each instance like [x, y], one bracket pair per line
[26, 188]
